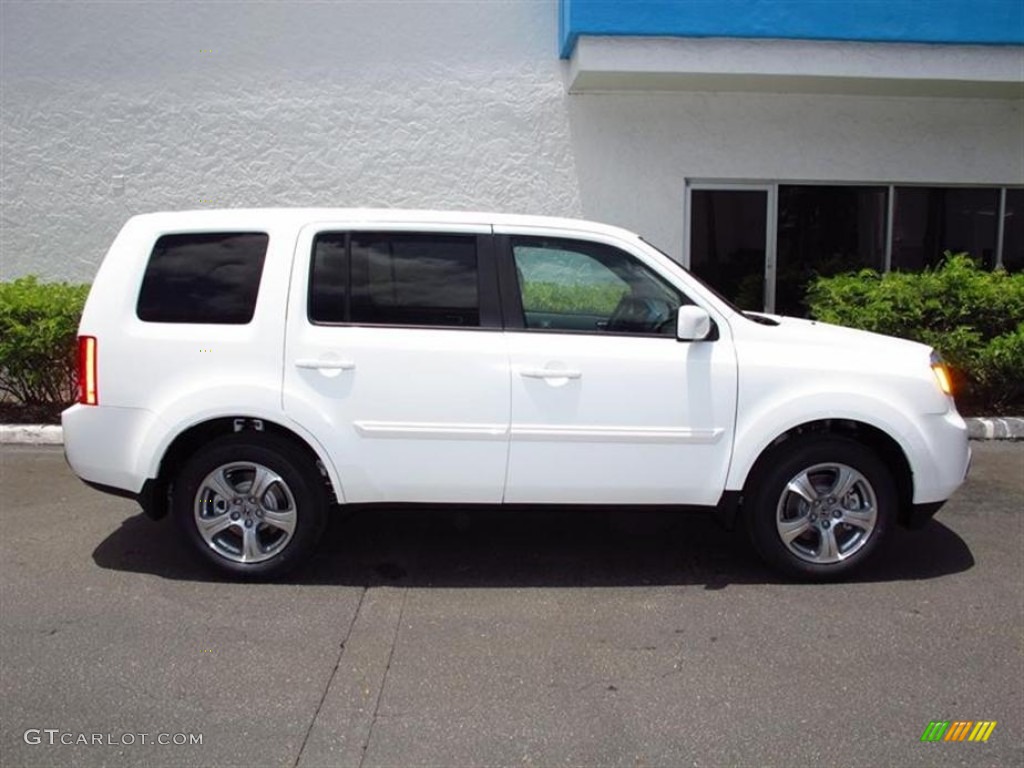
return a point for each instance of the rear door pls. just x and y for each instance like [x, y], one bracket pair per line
[396, 360]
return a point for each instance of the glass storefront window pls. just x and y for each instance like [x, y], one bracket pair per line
[931, 220]
[1013, 231]
[761, 243]
[728, 230]
[824, 230]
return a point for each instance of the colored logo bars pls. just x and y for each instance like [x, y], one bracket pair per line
[958, 730]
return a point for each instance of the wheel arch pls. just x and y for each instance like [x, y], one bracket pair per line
[155, 496]
[872, 437]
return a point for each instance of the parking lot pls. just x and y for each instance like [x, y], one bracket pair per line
[441, 638]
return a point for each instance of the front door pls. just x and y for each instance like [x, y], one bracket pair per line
[607, 406]
[396, 360]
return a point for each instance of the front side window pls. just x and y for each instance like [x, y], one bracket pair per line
[568, 285]
[203, 278]
[395, 279]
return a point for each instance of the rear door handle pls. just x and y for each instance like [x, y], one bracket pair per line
[549, 373]
[325, 365]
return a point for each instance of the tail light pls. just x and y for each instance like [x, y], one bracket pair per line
[88, 394]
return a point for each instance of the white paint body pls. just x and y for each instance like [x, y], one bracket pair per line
[488, 415]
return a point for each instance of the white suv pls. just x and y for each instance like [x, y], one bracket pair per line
[246, 370]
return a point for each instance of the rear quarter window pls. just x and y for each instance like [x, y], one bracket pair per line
[203, 278]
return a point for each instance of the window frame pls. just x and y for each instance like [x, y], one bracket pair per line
[487, 281]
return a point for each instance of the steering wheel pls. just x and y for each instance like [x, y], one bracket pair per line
[640, 314]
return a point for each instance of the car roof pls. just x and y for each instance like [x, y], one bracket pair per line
[266, 217]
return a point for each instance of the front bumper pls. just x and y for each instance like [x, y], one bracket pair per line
[943, 457]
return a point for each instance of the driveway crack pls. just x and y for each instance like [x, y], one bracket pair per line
[330, 678]
[384, 679]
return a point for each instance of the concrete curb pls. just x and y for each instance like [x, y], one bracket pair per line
[31, 434]
[978, 428]
[995, 428]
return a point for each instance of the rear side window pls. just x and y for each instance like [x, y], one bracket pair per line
[203, 278]
[395, 279]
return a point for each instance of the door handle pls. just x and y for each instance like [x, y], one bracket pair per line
[549, 373]
[325, 365]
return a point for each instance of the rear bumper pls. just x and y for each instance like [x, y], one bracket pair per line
[102, 445]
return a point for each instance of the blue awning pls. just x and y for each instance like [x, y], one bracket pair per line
[956, 22]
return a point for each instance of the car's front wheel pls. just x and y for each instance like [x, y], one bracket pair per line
[821, 507]
[251, 506]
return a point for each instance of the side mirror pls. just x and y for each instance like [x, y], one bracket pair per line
[692, 323]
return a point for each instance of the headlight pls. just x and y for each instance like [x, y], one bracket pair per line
[942, 374]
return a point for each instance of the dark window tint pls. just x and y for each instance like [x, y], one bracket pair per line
[1013, 231]
[727, 242]
[395, 279]
[203, 278]
[825, 231]
[329, 279]
[931, 220]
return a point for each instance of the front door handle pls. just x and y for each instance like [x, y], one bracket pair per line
[325, 365]
[549, 373]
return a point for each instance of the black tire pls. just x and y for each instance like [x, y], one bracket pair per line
[772, 506]
[296, 500]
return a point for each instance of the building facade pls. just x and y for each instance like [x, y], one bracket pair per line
[756, 141]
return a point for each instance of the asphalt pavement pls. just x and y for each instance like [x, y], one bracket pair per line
[539, 638]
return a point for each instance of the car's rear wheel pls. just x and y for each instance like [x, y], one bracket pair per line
[821, 507]
[253, 507]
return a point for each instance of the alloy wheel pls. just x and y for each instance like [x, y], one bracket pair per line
[245, 512]
[826, 513]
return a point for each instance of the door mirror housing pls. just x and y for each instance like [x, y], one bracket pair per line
[692, 323]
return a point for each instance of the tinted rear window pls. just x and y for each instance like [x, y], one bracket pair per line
[395, 279]
[203, 278]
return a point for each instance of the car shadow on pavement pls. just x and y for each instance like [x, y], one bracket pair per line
[497, 547]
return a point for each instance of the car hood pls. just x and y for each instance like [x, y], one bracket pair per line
[814, 332]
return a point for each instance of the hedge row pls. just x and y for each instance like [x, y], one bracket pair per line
[38, 328]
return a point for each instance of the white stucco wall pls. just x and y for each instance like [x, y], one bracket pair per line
[111, 109]
[413, 104]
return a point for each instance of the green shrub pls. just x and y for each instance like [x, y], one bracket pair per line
[1001, 366]
[973, 316]
[38, 326]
